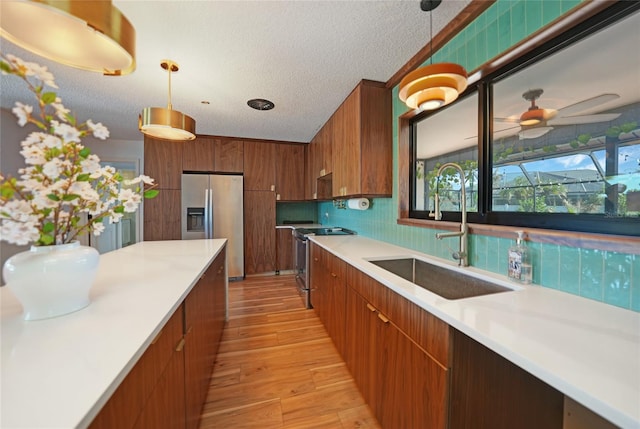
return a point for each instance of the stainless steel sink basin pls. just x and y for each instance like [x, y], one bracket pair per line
[441, 281]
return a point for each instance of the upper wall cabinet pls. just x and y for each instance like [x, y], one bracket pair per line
[362, 142]
[290, 162]
[354, 146]
[213, 154]
[163, 162]
[259, 166]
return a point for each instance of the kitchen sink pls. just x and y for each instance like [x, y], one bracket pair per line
[441, 281]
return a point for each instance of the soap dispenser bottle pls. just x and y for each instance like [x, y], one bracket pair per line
[520, 269]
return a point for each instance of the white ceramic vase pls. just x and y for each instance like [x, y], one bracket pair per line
[51, 281]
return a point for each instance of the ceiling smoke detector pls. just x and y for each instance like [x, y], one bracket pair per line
[260, 104]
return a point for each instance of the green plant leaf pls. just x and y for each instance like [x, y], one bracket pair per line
[85, 152]
[46, 239]
[48, 227]
[151, 193]
[4, 66]
[53, 197]
[83, 177]
[49, 97]
[118, 209]
[70, 197]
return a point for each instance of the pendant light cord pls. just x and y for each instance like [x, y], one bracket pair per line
[169, 99]
[431, 37]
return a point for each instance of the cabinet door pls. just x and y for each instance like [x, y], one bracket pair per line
[259, 166]
[229, 156]
[349, 161]
[199, 154]
[162, 216]
[488, 391]
[335, 314]
[284, 246]
[259, 232]
[166, 406]
[163, 162]
[290, 172]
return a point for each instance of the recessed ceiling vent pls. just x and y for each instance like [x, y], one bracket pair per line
[261, 104]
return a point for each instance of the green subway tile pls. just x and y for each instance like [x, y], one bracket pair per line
[518, 22]
[549, 265]
[481, 22]
[592, 274]
[479, 251]
[533, 15]
[551, 9]
[503, 6]
[491, 14]
[617, 279]
[493, 46]
[494, 255]
[481, 48]
[635, 282]
[503, 257]
[567, 5]
[472, 54]
[504, 32]
[569, 270]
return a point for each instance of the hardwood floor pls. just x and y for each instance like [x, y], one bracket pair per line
[277, 367]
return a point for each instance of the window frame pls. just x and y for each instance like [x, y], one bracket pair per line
[590, 223]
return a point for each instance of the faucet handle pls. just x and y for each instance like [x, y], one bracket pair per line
[436, 214]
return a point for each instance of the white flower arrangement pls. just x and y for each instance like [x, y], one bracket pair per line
[62, 182]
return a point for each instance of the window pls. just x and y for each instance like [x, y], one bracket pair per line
[563, 147]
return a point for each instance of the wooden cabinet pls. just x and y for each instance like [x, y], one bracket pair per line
[162, 219]
[146, 379]
[259, 166]
[362, 141]
[199, 154]
[168, 385]
[404, 386]
[290, 166]
[328, 298]
[488, 391]
[163, 162]
[204, 321]
[213, 155]
[259, 232]
[229, 156]
[284, 250]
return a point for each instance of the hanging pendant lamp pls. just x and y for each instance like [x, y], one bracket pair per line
[435, 85]
[167, 123]
[89, 35]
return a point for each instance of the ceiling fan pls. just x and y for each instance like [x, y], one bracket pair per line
[536, 122]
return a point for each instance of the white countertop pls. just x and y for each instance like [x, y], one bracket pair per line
[587, 350]
[58, 373]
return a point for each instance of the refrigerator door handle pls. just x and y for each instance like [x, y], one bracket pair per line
[207, 215]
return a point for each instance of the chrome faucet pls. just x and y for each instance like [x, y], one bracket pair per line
[462, 254]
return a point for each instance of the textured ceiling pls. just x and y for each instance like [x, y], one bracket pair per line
[305, 56]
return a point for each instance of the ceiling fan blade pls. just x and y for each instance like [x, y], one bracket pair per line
[533, 132]
[584, 119]
[499, 134]
[589, 103]
[511, 120]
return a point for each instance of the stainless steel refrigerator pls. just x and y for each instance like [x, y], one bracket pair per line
[212, 208]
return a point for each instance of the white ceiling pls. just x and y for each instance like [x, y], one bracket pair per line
[305, 56]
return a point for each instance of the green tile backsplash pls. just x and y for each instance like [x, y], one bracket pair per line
[610, 277]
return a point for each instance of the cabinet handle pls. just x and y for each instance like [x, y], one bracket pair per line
[315, 259]
[188, 330]
[384, 319]
[334, 275]
[371, 307]
[180, 345]
[155, 340]
[220, 270]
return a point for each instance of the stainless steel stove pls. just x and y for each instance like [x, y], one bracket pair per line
[301, 252]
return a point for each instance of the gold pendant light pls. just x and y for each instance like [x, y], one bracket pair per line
[89, 35]
[435, 85]
[167, 123]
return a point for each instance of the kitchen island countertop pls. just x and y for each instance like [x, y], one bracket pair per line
[587, 350]
[59, 372]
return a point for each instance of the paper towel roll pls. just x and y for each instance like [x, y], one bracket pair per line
[358, 203]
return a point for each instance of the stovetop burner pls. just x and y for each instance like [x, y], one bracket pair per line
[303, 232]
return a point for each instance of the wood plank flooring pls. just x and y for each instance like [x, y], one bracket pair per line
[277, 367]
